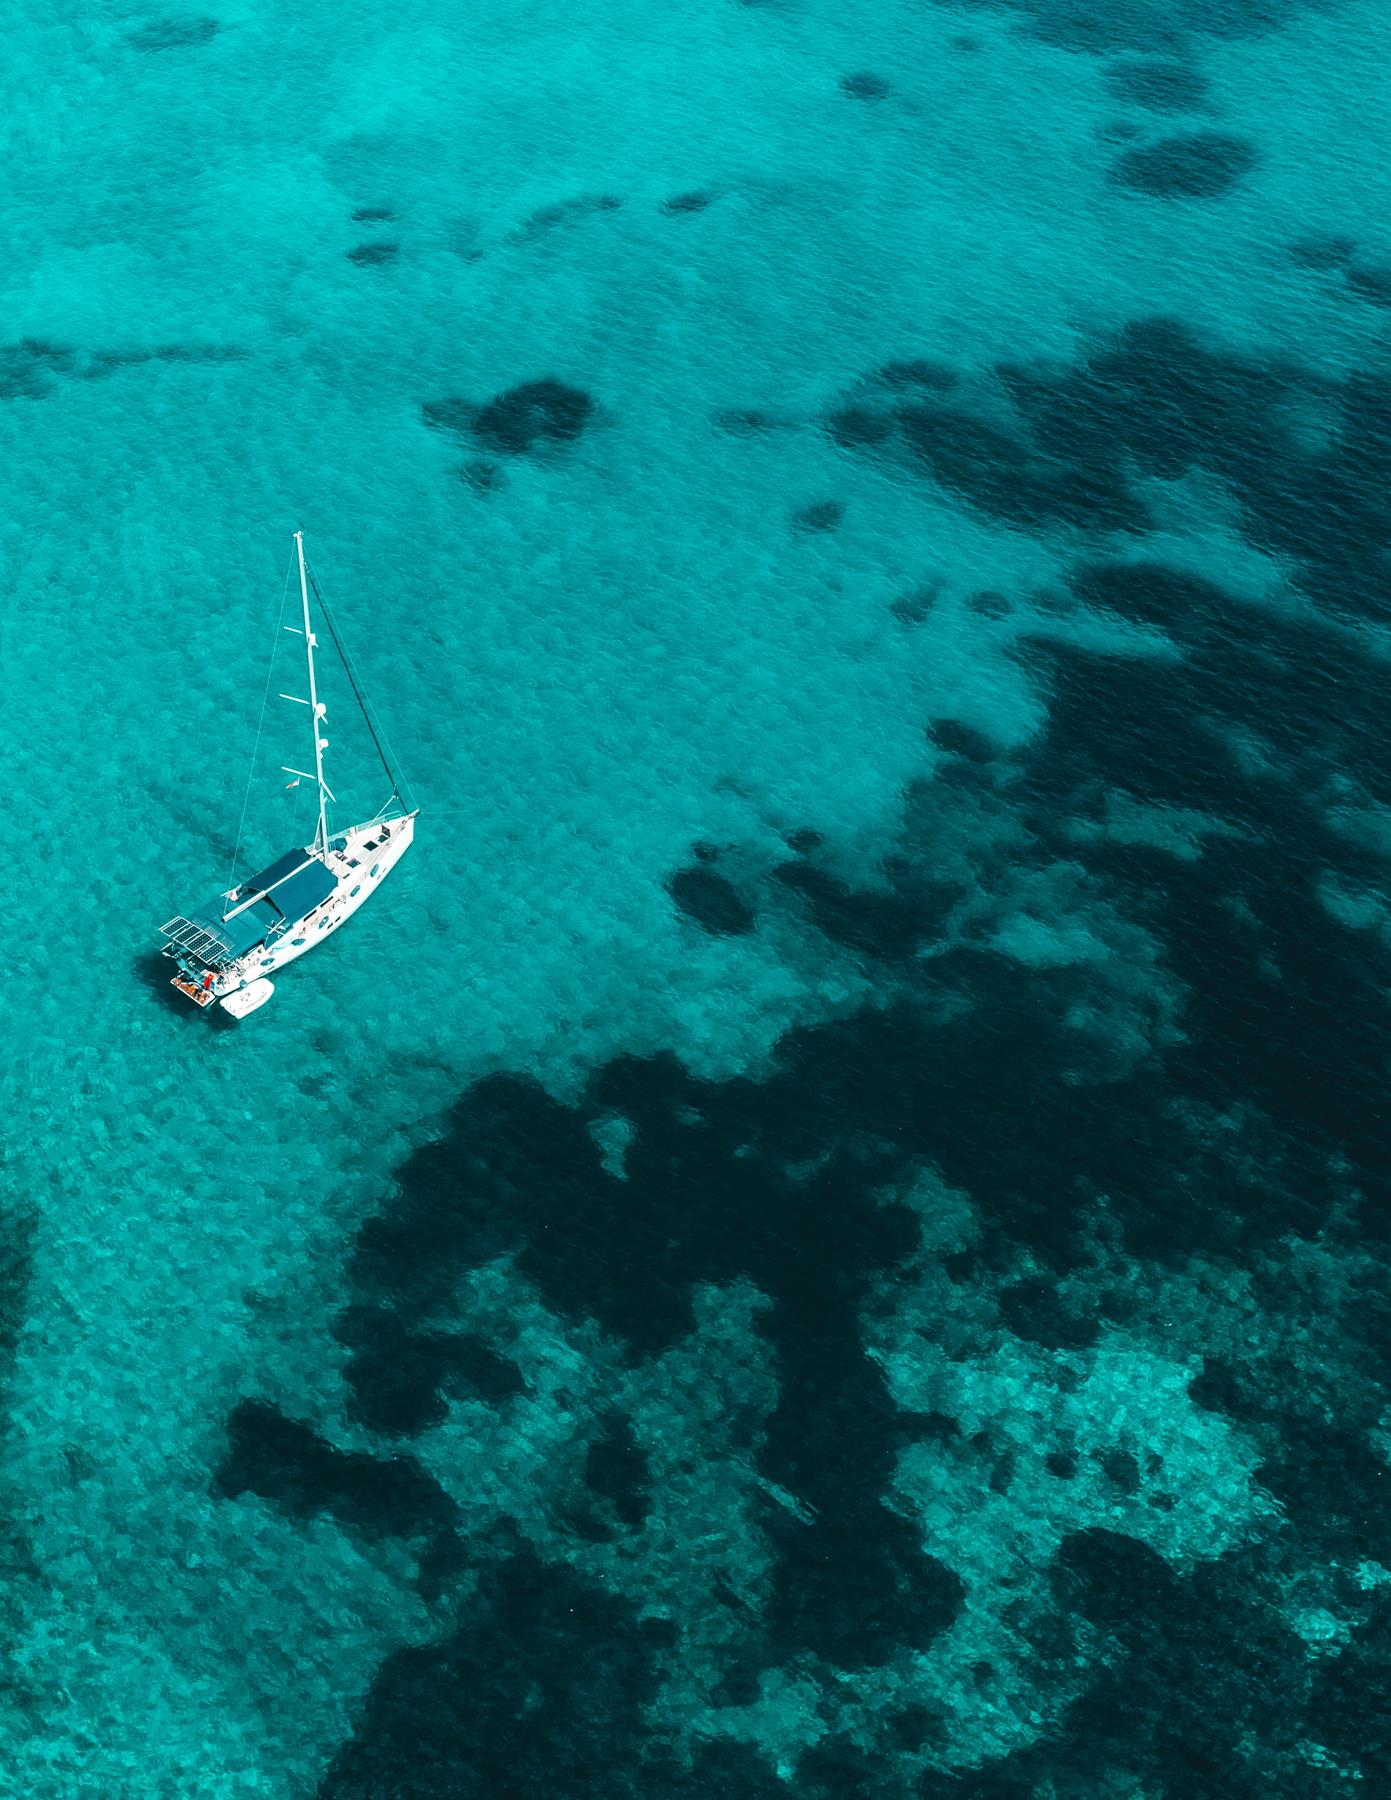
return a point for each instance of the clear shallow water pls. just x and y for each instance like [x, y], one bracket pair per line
[826, 1233]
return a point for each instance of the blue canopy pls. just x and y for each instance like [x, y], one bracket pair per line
[296, 883]
[285, 890]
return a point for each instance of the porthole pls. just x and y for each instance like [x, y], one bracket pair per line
[372, 872]
[295, 941]
[353, 894]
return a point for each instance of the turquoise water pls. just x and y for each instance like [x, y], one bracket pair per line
[826, 1231]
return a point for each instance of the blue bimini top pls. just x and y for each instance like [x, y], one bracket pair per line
[285, 890]
[295, 882]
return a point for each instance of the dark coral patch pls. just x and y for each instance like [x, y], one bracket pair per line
[855, 427]
[963, 741]
[370, 256]
[1102, 1572]
[104, 363]
[824, 515]
[616, 1470]
[714, 903]
[1004, 474]
[290, 1465]
[1197, 1663]
[1347, 1710]
[864, 86]
[454, 414]
[1196, 165]
[400, 1379]
[1333, 1485]
[541, 1690]
[30, 368]
[535, 413]
[174, 34]
[483, 477]
[1173, 404]
[853, 1582]
[883, 925]
[1150, 593]
[975, 457]
[1121, 1470]
[1323, 250]
[700, 1203]
[1034, 1309]
[743, 422]
[859, 1588]
[524, 419]
[1197, 1688]
[1371, 282]
[565, 212]
[912, 609]
[17, 1232]
[1148, 27]
[919, 372]
[1275, 1040]
[692, 202]
[1159, 85]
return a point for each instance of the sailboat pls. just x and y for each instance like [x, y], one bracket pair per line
[227, 948]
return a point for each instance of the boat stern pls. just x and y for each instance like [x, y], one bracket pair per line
[199, 993]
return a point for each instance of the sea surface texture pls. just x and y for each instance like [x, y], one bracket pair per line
[826, 1232]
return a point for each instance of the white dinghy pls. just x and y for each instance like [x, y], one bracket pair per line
[227, 948]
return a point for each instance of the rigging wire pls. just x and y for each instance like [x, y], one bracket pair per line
[260, 723]
[350, 670]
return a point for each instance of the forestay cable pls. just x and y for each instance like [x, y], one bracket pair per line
[350, 670]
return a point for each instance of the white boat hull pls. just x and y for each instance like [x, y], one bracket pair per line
[360, 870]
[227, 948]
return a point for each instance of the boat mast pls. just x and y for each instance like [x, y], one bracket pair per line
[316, 711]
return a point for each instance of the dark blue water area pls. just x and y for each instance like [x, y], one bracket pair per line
[1255, 1134]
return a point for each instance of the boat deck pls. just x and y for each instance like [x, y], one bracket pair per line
[201, 996]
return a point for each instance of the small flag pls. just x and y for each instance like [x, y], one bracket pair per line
[294, 783]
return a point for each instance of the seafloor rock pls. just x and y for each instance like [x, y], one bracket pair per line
[863, 86]
[174, 34]
[712, 902]
[520, 421]
[1160, 85]
[540, 1689]
[1198, 165]
[822, 515]
[692, 202]
[1371, 282]
[370, 256]
[290, 1465]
